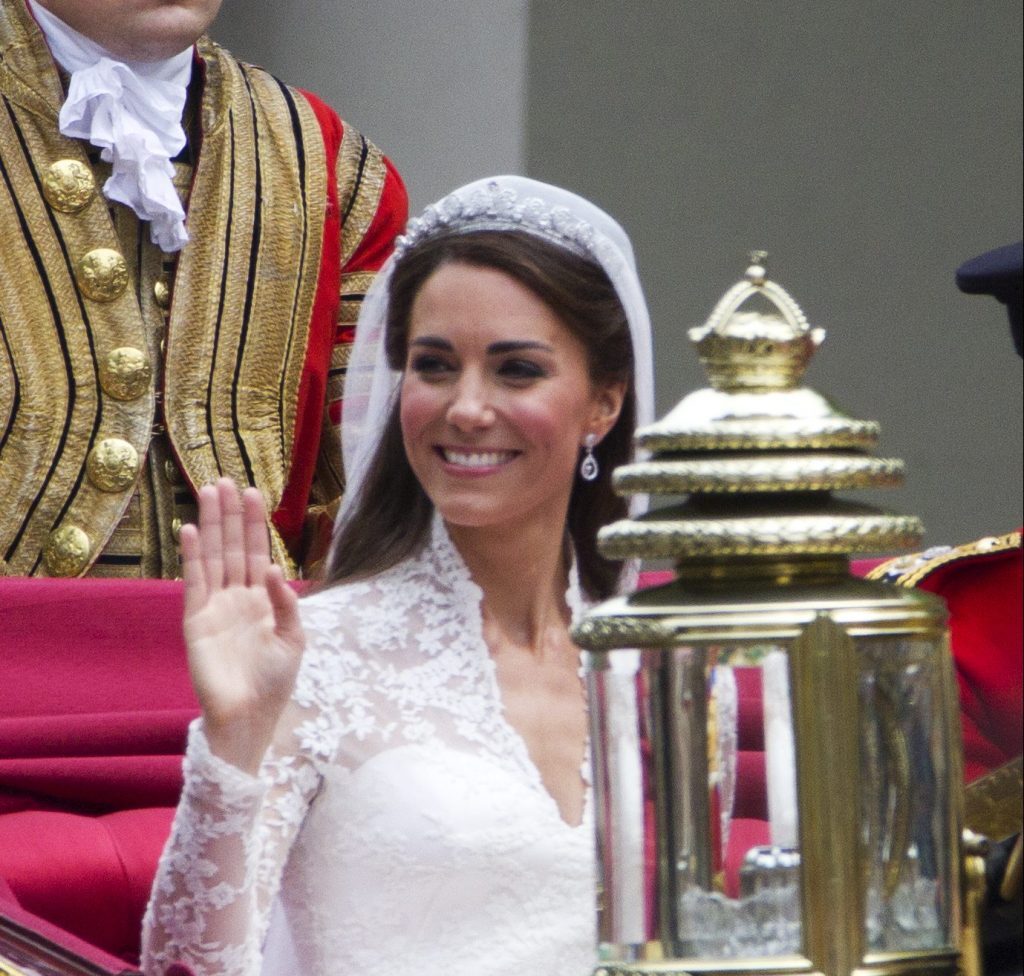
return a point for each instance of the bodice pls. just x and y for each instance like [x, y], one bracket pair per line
[398, 825]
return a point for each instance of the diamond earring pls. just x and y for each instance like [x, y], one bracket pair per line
[588, 466]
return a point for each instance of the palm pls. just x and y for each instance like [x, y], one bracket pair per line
[239, 658]
[241, 624]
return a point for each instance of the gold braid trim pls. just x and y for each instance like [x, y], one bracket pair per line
[917, 567]
[341, 355]
[27, 72]
[51, 332]
[354, 287]
[329, 480]
[993, 805]
[361, 173]
[246, 283]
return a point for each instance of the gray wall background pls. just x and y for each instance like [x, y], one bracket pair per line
[870, 148]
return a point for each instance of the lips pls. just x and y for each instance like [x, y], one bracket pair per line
[476, 459]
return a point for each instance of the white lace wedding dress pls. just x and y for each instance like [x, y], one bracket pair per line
[398, 826]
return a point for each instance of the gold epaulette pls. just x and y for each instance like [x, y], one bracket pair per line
[910, 570]
[993, 805]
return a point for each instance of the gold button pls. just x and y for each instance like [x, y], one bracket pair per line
[162, 291]
[125, 373]
[172, 474]
[67, 551]
[176, 528]
[102, 274]
[68, 185]
[112, 464]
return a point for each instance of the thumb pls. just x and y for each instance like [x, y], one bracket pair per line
[285, 604]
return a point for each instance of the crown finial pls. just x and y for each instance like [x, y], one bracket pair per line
[757, 272]
[755, 350]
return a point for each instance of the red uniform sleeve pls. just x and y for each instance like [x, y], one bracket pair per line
[984, 600]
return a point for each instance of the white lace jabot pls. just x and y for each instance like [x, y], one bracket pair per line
[399, 825]
[132, 112]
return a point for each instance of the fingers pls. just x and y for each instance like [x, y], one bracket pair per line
[231, 546]
[232, 534]
[192, 570]
[211, 544]
[257, 543]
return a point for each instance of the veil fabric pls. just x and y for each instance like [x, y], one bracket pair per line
[494, 203]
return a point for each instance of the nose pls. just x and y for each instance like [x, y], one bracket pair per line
[470, 407]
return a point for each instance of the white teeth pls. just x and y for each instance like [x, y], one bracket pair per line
[476, 459]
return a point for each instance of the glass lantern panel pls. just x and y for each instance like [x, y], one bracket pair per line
[906, 828]
[697, 823]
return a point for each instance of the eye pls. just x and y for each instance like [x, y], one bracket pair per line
[429, 365]
[522, 370]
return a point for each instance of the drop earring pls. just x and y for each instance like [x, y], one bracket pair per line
[588, 466]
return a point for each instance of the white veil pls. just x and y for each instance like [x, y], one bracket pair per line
[495, 203]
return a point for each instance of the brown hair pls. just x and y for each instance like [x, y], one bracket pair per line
[391, 516]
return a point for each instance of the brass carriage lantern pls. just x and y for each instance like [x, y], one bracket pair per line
[853, 866]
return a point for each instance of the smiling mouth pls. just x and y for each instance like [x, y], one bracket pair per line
[476, 459]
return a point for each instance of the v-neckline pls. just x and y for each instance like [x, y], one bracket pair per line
[522, 753]
[465, 589]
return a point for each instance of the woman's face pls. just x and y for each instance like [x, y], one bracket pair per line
[496, 400]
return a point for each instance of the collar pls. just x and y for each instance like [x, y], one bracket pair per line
[130, 110]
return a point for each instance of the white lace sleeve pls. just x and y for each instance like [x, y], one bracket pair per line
[222, 865]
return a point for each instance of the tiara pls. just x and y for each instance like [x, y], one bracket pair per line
[493, 207]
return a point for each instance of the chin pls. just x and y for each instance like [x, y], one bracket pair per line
[470, 516]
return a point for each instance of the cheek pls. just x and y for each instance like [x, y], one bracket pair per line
[417, 408]
[541, 425]
[554, 425]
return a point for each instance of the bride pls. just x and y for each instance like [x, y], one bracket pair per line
[390, 775]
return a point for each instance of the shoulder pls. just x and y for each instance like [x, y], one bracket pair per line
[333, 660]
[371, 197]
[939, 563]
[224, 73]
[327, 612]
[342, 615]
[357, 631]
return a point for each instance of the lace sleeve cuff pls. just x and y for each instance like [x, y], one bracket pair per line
[202, 769]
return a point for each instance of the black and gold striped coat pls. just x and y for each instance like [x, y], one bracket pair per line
[129, 377]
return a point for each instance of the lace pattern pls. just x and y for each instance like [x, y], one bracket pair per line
[397, 825]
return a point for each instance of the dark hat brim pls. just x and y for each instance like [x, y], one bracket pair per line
[999, 273]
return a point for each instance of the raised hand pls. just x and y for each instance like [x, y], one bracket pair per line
[241, 625]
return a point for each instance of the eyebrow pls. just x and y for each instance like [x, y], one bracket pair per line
[494, 349]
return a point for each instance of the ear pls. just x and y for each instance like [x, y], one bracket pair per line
[606, 406]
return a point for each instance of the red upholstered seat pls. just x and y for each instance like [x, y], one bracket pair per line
[94, 706]
[65, 944]
[53, 858]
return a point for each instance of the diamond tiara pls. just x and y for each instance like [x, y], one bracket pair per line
[492, 207]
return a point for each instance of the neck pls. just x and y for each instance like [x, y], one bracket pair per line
[523, 573]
